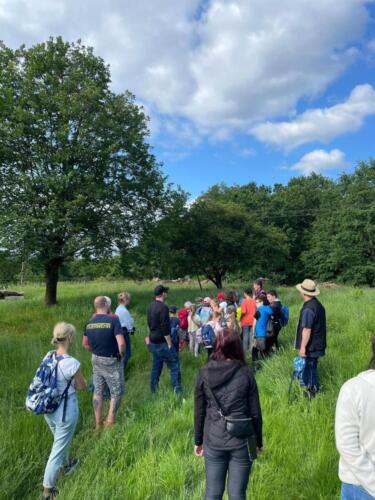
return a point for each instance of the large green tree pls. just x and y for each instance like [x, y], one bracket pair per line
[77, 177]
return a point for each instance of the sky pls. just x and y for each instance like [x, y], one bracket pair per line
[237, 90]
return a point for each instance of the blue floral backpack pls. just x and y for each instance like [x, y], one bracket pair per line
[43, 395]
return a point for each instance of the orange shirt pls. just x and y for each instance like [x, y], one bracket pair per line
[248, 309]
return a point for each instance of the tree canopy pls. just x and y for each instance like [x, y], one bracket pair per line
[77, 176]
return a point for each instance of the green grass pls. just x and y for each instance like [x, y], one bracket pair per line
[148, 455]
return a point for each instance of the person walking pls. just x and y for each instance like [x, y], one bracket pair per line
[160, 344]
[226, 382]
[127, 323]
[63, 421]
[104, 338]
[355, 437]
[262, 317]
[248, 308]
[311, 334]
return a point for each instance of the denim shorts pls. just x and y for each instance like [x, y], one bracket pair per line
[108, 371]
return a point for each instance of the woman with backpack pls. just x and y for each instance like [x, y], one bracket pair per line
[63, 421]
[228, 418]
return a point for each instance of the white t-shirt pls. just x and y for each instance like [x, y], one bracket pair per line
[66, 369]
[125, 317]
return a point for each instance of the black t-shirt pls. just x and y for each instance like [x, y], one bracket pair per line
[158, 321]
[101, 331]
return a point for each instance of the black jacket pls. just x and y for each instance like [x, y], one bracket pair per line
[317, 341]
[236, 391]
[158, 321]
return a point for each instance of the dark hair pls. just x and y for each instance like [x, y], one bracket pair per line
[372, 364]
[228, 345]
[173, 309]
[248, 291]
[229, 296]
[259, 282]
[263, 299]
[272, 292]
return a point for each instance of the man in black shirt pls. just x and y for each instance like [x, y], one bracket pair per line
[311, 334]
[161, 345]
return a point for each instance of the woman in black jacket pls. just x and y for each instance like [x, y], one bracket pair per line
[227, 379]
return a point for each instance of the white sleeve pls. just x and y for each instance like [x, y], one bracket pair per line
[70, 368]
[347, 429]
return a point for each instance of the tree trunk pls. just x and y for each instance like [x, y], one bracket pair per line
[217, 280]
[52, 277]
[199, 282]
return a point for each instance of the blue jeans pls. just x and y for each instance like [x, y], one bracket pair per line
[247, 338]
[310, 375]
[62, 437]
[234, 463]
[128, 351]
[353, 492]
[162, 354]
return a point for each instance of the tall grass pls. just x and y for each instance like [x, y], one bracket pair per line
[148, 455]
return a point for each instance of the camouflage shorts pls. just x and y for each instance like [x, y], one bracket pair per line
[108, 371]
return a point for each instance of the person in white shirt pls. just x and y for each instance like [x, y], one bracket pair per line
[355, 435]
[127, 323]
[63, 421]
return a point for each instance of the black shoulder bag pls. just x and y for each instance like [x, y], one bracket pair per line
[241, 428]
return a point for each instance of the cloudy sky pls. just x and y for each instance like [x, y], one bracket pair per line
[237, 90]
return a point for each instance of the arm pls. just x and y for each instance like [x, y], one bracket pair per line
[79, 381]
[347, 430]
[165, 325]
[120, 339]
[200, 404]
[86, 343]
[255, 411]
[306, 332]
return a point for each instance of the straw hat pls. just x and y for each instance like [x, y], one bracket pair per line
[308, 287]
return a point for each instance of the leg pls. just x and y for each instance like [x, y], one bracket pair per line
[128, 350]
[100, 387]
[173, 364]
[238, 473]
[97, 403]
[196, 345]
[216, 463]
[63, 436]
[115, 379]
[245, 338]
[191, 342]
[310, 376]
[157, 366]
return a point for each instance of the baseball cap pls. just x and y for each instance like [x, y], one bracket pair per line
[220, 296]
[160, 289]
[173, 309]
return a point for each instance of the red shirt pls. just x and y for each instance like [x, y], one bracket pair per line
[248, 308]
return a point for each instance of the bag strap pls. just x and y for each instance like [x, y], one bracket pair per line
[218, 407]
[65, 396]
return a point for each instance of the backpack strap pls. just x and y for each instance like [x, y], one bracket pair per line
[218, 407]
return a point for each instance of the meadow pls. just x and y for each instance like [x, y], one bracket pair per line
[148, 455]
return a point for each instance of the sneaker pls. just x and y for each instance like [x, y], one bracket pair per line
[71, 467]
[53, 492]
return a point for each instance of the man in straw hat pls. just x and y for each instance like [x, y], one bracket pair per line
[311, 334]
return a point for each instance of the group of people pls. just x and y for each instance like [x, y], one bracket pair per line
[227, 416]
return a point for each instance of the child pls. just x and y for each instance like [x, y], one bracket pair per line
[194, 323]
[183, 315]
[175, 325]
[262, 315]
[232, 321]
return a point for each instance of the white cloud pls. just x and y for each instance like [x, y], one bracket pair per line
[222, 64]
[319, 161]
[320, 124]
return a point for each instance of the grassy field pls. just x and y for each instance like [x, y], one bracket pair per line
[148, 455]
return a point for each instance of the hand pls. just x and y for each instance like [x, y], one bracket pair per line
[198, 451]
[302, 352]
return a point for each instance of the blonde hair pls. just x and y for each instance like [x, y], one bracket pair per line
[63, 332]
[123, 297]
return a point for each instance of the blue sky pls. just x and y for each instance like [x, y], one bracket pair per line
[237, 91]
